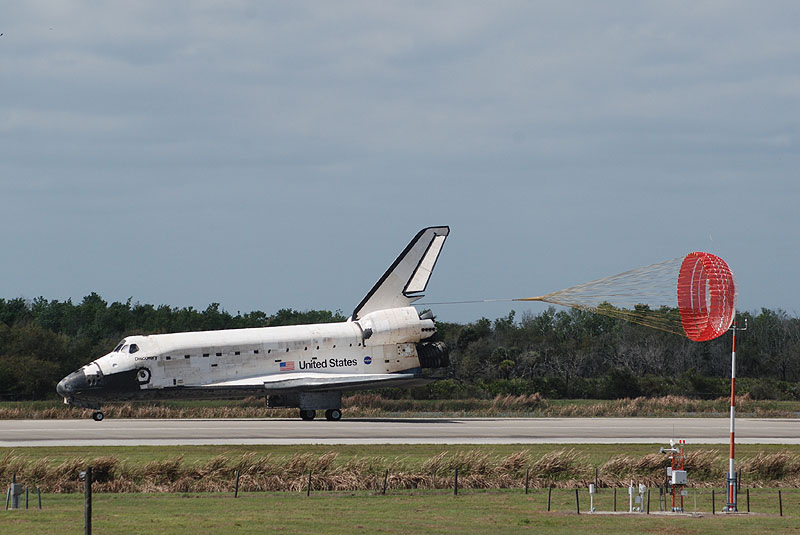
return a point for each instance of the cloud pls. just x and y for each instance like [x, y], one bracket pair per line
[611, 131]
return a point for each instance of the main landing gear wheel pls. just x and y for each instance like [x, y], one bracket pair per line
[307, 415]
[333, 414]
[98, 416]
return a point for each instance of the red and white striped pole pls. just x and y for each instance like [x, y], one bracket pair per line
[731, 461]
[732, 498]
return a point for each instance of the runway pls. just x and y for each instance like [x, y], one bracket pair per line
[111, 432]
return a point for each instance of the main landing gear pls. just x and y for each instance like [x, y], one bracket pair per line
[333, 415]
[98, 416]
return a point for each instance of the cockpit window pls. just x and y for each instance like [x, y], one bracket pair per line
[134, 348]
[124, 348]
[119, 346]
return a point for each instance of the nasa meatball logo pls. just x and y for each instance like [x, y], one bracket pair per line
[367, 360]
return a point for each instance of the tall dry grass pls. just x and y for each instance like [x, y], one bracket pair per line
[782, 468]
[477, 470]
[668, 406]
[374, 405]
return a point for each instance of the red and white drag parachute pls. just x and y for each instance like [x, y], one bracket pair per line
[706, 296]
[694, 296]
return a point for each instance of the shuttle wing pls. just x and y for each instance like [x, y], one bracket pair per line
[315, 382]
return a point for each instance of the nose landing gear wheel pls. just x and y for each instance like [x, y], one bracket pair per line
[307, 415]
[333, 414]
[98, 416]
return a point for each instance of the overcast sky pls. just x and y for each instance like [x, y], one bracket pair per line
[266, 155]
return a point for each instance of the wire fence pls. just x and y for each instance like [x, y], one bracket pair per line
[586, 498]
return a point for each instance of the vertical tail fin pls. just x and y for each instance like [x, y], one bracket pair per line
[406, 279]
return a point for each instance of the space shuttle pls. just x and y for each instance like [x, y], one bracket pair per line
[384, 343]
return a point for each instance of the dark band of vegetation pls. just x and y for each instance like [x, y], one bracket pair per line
[559, 354]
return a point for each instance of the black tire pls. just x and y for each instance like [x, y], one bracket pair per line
[143, 376]
[333, 415]
[307, 415]
[98, 416]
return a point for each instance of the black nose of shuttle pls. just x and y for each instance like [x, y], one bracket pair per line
[74, 382]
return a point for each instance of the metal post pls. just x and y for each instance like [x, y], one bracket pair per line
[731, 506]
[385, 481]
[615, 499]
[596, 486]
[8, 497]
[780, 503]
[236, 492]
[549, 491]
[87, 502]
[39, 492]
[455, 486]
[14, 492]
[748, 500]
[26, 497]
[713, 504]
[577, 502]
[648, 501]
[527, 479]
[630, 497]
[731, 460]
[308, 489]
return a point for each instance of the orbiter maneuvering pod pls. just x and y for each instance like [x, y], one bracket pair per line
[305, 366]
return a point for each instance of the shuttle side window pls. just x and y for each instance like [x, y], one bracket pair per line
[134, 348]
[124, 348]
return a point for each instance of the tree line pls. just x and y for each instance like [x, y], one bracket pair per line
[577, 354]
[558, 353]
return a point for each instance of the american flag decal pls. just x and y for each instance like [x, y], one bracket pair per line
[287, 366]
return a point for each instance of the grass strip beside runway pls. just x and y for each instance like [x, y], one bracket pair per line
[471, 512]
[412, 454]
[364, 467]
[367, 405]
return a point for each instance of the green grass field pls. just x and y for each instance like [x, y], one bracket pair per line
[499, 511]
[470, 512]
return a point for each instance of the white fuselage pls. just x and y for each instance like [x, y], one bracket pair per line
[382, 342]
